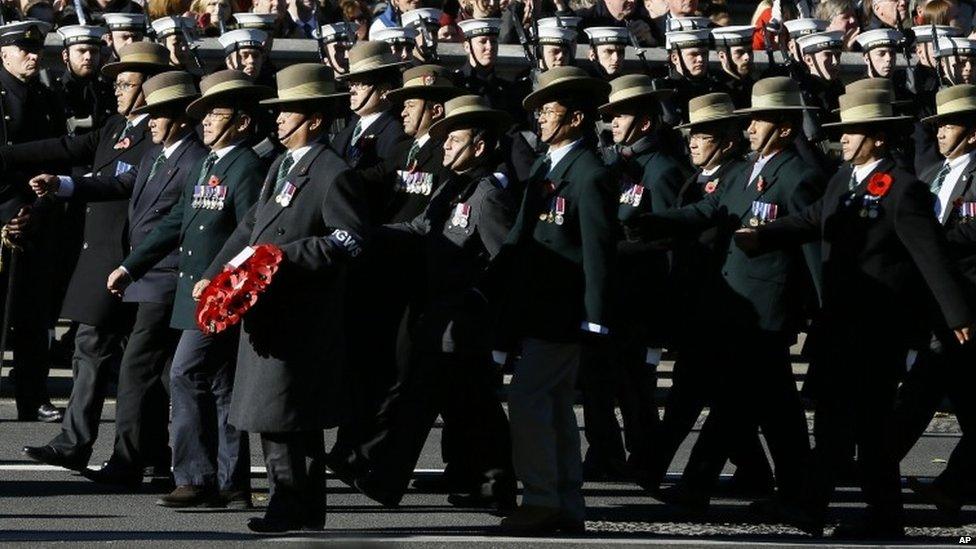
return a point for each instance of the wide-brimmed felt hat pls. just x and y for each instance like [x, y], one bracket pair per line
[229, 87]
[469, 111]
[559, 82]
[371, 57]
[866, 107]
[880, 84]
[168, 90]
[711, 108]
[426, 82]
[143, 57]
[775, 94]
[632, 90]
[954, 101]
[304, 83]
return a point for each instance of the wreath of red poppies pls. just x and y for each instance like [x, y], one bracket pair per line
[234, 291]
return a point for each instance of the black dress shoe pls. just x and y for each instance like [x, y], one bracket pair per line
[115, 475]
[778, 510]
[344, 470]
[49, 455]
[48, 413]
[236, 499]
[264, 525]
[190, 496]
[684, 498]
[373, 492]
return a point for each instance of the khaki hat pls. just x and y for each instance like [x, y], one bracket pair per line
[953, 101]
[425, 82]
[710, 108]
[632, 90]
[775, 94]
[166, 90]
[866, 107]
[145, 57]
[558, 82]
[877, 84]
[371, 57]
[304, 83]
[469, 111]
[228, 86]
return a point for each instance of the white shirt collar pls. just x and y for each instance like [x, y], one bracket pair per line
[862, 171]
[366, 121]
[168, 151]
[137, 120]
[961, 161]
[556, 155]
[760, 163]
[711, 171]
[221, 153]
[297, 155]
[423, 139]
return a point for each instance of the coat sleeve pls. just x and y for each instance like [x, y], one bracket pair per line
[921, 234]
[71, 150]
[496, 217]
[597, 220]
[345, 214]
[102, 188]
[684, 221]
[161, 241]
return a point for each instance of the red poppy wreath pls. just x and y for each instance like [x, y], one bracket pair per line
[236, 289]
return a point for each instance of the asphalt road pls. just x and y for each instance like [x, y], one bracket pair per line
[43, 506]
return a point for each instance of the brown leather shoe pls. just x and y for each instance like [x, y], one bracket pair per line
[532, 520]
[189, 496]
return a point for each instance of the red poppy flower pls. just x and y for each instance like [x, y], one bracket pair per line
[711, 186]
[879, 184]
[232, 293]
[213, 181]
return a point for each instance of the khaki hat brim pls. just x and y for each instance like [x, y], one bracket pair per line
[621, 104]
[581, 85]
[198, 109]
[869, 122]
[716, 120]
[389, 67]
[303, 100]
[435, 93]
[773, 109]
[498, 120]
[936, 118]
[112, 70]
[167, 104]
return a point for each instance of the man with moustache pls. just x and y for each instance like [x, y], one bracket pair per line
[220, 187]
[104, 320]
[154, 187]
[885, 264]
[733, 45]
[286, 389]
[27, 115]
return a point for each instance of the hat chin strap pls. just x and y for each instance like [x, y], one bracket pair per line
[767, 139]
[464, 149]
[728, 65]
[860, 145]
[132, 104]
[711, 157]
[294, 129]
[816, 66]
[224, 131]
[336, 66]
[372, 90]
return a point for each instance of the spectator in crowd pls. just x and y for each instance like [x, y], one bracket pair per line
[162, 8]
[762, 17]
[211, 16]
[41, 10]
[302, 23]
[940, 12]
[95, 11]
[391, 16]
[892, 14]
[841, 16]
[356, 11]
[618, 13]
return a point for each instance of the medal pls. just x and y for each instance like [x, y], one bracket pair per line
[754, 222]
[286, 194]
[872, 213]
[560, 210]
[863, 212]
[637, 192]
[461, 214]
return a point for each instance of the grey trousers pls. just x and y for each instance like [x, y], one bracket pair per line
[545, 435]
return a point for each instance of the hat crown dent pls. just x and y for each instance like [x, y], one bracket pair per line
[209, 82]
[302, 74]
[864, 84]
[368, 50]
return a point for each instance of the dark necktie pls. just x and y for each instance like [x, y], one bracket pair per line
[208, 164]
[412, 155]
[158, 163]
[853, 182]
[357, 131]
[940, 178]
[283, 170]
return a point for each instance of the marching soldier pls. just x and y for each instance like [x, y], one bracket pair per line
[798, 28]
[557, 293]
[649, 178]
[820, 82]
[104, 321]
[733, 45]
[427, 23]
[286, 386]
[337, 39]
[928, 81]
[219, 188]
[124, 29]
[245, 51]
[954, 59]
[171, 31]
[762, 318]
[402, 41]
[87, 98]
[608, 46]
[478, 75]
[25, 106]
[880, 49]
[450, 371]
[884, 261]
[688, 61]
[143, 402]
[557, 42]
[942, 368]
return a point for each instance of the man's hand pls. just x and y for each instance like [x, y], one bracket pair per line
[747, 240]
[15, 229]
[118, 281]
[199, 287]
[45, 184]
[964, 334]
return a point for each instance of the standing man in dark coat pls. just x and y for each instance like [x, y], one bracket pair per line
[733, 46]
[478, 75]
[928, 81]
[25, 107]
[944, 368]
[557, 279]
[217, 190]
[885, 267]
[758, 302]
[450, 371]
[688, 61]
[104, 321]
[142, 398]
[286, 387]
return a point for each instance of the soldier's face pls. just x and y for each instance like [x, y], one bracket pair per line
[556, 122]
[623, 131]
[247, 60]
[177, 48]
[702, 146]
[364, 98]
[740, 60]
[402, 51]
[117, 39]
[555, 56]
[695, 61]
[128, 91]
[414, 115]
[824, 63]
[620, 9]
[951, 138]
[482, 49]
[859, 148]
[19, 62]
[221, 127]
[759, 132]
[960, 67]
[881, 61]
[160, 126]
[297, 129]
[83, 59]
[609, 56]
[459, 152]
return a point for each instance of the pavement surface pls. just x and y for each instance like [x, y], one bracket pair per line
[41, 505]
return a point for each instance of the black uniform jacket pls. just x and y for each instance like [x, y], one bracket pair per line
[375, 144]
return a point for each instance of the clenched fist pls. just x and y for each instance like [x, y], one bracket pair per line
[199, 287]
[118, 281]
[45, 184]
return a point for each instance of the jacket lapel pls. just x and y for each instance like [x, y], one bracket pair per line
[767, 175]
[220, 171]
[962, 187]
[167, 174]
[270, 210]
[138, 134]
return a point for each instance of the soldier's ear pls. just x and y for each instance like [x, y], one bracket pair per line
[64, 56]
[591, 54]
[437, 111]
